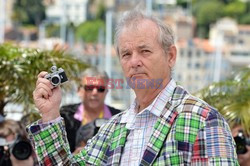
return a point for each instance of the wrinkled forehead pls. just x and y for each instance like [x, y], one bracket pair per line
[144, 27]
[93, 80]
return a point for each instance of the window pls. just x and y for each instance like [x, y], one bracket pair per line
[197, 65]
[181, 52]
[189, 53]
[179, 77]
[198, 53]
[197, 77]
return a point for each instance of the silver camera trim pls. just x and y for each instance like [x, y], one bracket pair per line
[54, 73]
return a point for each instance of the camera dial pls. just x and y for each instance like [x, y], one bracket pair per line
[53, 69]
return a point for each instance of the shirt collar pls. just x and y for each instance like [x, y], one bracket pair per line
[155, 107]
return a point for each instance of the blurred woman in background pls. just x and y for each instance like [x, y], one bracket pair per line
[15, 148]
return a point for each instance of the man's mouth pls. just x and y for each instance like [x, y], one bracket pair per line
[93, 99]
[137, 75]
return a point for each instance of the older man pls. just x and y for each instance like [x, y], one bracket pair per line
[165, 125]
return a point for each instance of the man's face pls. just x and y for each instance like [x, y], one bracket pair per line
[141, 55]
[92, 91]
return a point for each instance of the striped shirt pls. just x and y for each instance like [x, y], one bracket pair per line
[141, 125]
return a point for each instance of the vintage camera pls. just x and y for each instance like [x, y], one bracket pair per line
[57, 77]
[241, 142]
[21, 150]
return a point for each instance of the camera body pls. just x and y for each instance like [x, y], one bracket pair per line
[241, 143]
[56, 77]
[87, 131]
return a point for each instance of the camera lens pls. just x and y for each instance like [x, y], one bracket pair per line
[240, 145]
[55, 80]
[22, 150]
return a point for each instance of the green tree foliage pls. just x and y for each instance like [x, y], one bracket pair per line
[182, 3]
[245, 18]
[101, 12]
[88, 31]
[53, 30]
[231, 98]
[208, 12]
[29, 12]
[19, 68]
[235, 9]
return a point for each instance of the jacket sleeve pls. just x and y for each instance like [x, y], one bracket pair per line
[52, 148]
[214, 144]
[51, 145]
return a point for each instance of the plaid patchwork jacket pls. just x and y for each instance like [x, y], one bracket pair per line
[188, 132]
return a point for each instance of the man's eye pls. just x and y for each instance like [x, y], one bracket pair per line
[124, 55]
[145, 51]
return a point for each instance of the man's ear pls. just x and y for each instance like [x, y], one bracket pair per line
[172, 53]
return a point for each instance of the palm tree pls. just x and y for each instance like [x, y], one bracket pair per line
[231, 98]
[19, 68]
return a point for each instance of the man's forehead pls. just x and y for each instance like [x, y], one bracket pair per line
[139, 32]
[93, 80]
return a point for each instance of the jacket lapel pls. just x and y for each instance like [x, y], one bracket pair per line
[117, 141]
[162, 128]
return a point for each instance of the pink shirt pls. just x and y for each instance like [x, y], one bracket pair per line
[79, 113]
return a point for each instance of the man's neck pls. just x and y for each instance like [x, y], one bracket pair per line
[146, 96]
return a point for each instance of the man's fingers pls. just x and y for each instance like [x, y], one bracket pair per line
[42, 74]
[45, 82]
[45, 87]
[42, 92]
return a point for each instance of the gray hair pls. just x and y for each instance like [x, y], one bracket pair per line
[94, 72]
[134, 17]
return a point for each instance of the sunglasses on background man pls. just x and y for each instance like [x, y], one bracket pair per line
[90, 88]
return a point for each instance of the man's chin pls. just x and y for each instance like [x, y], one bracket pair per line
[94, 104]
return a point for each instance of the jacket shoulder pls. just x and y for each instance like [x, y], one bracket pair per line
[191, 104]
[199, 112]
[71, 108]
[113, 110]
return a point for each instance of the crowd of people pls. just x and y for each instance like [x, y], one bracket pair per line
[165, 125]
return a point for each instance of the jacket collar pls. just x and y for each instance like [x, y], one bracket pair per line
[162, 127]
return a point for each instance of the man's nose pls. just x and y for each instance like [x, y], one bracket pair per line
[94, 91]
[136, 60]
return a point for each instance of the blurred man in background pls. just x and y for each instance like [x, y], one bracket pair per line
[81, 117]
